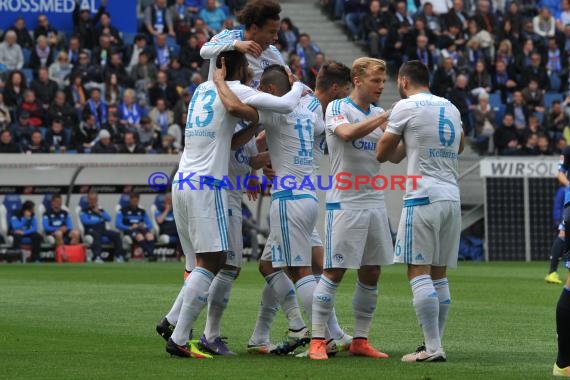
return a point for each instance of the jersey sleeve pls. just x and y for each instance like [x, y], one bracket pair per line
[223, 41]
[267, 102]
[335, 116]
[399, 118]
[564, 162]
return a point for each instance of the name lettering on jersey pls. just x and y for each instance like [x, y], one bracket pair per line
[429, 103]
[442, 153]
[364, 145]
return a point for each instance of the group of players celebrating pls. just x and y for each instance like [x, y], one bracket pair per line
[251, 114]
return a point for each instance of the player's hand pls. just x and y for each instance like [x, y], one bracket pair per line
[220, 74]
[268, 171]
[18, 232]
[63, 229]
[249, 47]
[252, 188]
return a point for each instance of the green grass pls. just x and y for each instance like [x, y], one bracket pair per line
[88, 321]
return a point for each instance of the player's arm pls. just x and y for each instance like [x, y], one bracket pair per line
[353, 131]
[241, 138]
[48, 227]
[461, 144]
[283, 105]
[225, 41]
[259, 161]
[387, 147]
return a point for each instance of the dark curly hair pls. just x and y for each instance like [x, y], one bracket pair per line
[257, 12]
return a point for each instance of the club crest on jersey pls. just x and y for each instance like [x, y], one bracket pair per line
[265, 63]
[241, 157]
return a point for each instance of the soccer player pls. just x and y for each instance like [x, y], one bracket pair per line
[133, 220]
[562, 365]
[57, 222]
[333, 82]
[430, 225]
[560, 244]
[215, 110]
[357, 229]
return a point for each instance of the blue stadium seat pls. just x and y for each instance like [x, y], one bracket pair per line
[499, 113]
[83, 202]
[129, 38]
[47, 201]
[26, 53]
[13, 203]
[495, 99]
[124, 200]
[550, 97]
[29, 74]
[159, 202]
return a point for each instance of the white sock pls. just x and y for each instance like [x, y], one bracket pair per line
[323, 303]
[285, 294]
[426, 304]
[267, 311]
[333, 326]
[194, 300]
[442, 288]
[364, 304]
[172, 316]
[305, 289]
[217, 301]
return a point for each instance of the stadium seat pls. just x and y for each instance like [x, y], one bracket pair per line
[158, 205]
[499, 113]
[88, 239]
[124, 202]
[129, 38]
[550, 97]
[26, 53]
[495, 99]
[29, 74]
[45, 206]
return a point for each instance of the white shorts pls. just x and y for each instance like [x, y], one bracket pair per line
[429, 234]
[316, 239]
[201, 219]
[270, 246]
[355, 238]
[236, 239]
[292, 222]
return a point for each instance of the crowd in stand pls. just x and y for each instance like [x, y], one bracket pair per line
[504, 64]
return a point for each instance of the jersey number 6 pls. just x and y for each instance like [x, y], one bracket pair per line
[443, 123]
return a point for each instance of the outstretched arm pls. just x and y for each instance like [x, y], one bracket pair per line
[351, 132]
[387, 147]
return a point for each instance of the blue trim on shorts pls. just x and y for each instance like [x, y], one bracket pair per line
[333, 206]
[408, 236]
[416, 202]
[285, 232]
[221, 218]
[328, 240]
[287, 195]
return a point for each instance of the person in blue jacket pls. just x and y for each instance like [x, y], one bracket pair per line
[94, 219]
[135, 222]
[165, 220]
[57, 222]
[24, 225]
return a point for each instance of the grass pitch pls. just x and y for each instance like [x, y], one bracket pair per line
[97, 322]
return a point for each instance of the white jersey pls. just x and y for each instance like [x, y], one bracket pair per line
[225, 41]
[239, 169]
[210, 127]
[320, 140]
[290, 140]
[349, 159]
[431, 127]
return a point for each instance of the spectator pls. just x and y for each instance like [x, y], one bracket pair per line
[133, 221]
[506, 137]
[537, 71]
[21, 128]
[311, 79]
[354, 10]
[115, 66]
[143, 73]
[35, 144]
[432, 19]
[130, 145]
[11, 54]
[190, 54]
[130, 113]
[556, 120]
[5, 117]
[459, 96]
[201, 31]
[560, 145]
[24, 225]
[162, 52]
[56, 138]
[485, 124]
[102, 52]
[165, 221]
[288, 34]
[104, 145]
[34, 109]
[89, 73]
[95, 106]
[41, 55]
[519, 110]
[213, 16]
[421, 52]
[480, 44]
[377, 24]
[562, 20]
[57, 223]
[94, 220]
[456, 16]
[162, 89]
[295, 66]
[544, 24]
[161, 117]
[533, 97]
[44, 88]
[503, 81]
[14, 89]
[149, 137]
[44, 28]
[397, 44]
[505, 53]
[528, 33]
[112, 92]
[60, 109]
[543, 145]
[60, 70]
[134, 51]
[402, 14]
[86, 133]
[73, 50]
[168, 145]
[556, 64]
[523, 58]
[105, 27]
[23, 37]
[194, 6]
[181, 107]
[306, 51]
[484, 18]
[7, 145]
[531, 146]
[84, 24]
[443, 78]
[157, 20]
[116, 129]
[178, 76]
[181, 16]
[480, 80]
[513, 19]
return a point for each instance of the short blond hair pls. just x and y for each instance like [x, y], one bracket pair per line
[360, 65]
